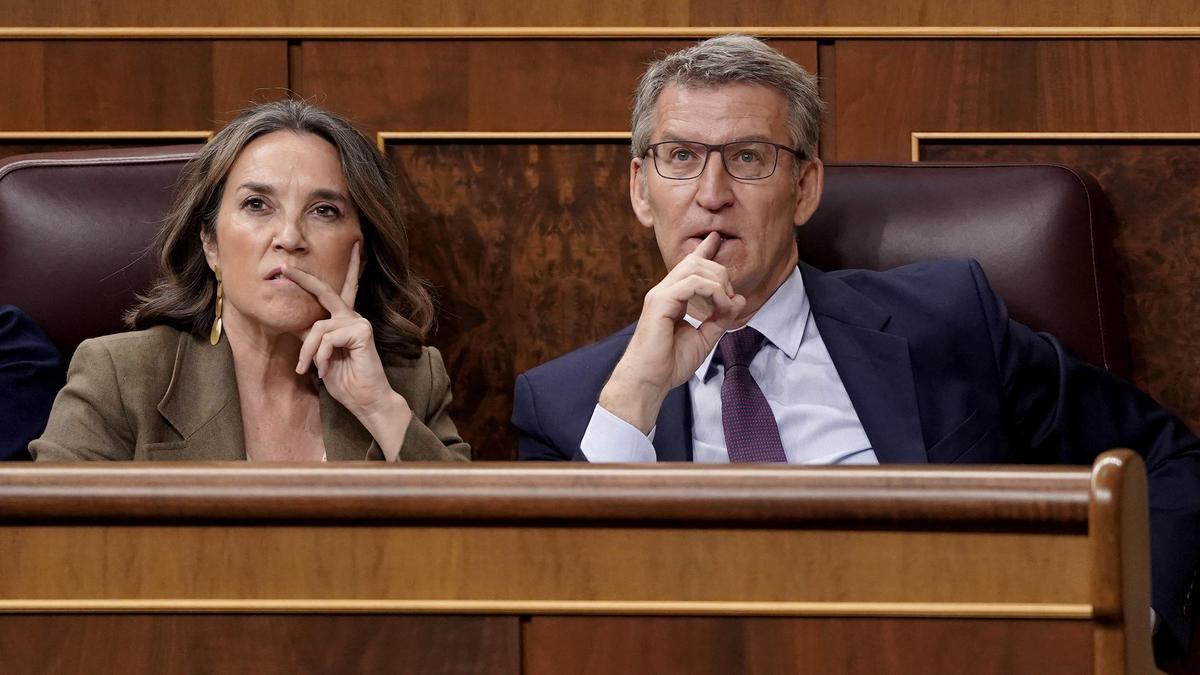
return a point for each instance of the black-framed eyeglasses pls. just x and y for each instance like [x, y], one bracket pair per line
[744, 160]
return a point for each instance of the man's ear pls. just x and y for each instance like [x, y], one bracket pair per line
[209, 244]
[808, 195]
[637, 193]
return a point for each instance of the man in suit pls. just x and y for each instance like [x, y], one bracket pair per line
[744, 353]
[31, 373]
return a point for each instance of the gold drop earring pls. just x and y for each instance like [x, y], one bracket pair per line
[215, 336]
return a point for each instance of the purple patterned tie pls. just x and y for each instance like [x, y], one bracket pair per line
[751, 434]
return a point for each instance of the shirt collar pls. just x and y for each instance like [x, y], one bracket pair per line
[782, 320]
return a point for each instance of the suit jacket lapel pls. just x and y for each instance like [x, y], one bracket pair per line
[873, 364]
[673, 430]
[202, 403]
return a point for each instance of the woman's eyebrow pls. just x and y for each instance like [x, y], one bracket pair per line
[329, 194]
[257, 187]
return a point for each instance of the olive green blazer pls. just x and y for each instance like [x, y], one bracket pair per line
[161, 394]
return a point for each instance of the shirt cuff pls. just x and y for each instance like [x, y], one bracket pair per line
[611, 439]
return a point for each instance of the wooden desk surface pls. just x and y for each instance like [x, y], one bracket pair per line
[555, 557]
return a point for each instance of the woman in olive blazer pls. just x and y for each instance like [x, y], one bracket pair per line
[286, 324]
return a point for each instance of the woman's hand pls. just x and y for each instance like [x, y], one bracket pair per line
[342, 348]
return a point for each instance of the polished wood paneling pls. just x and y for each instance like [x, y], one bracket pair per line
[487, 85]
[24, 86]
[135, 85]
[701, 645]
[615, 13]
[364, 13]
[1156, 200]
[478, 565]
[917, 13]
[246, 72]
[533, 251]
[887, 89]
[555, 534]
[1038, 498]
[166, 644]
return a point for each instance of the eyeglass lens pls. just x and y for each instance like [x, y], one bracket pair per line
[745, 159]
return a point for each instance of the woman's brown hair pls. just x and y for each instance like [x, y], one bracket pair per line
[390, 296]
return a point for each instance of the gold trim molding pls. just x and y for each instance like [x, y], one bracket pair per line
[918, 137]
[980, 610]
[382, 138]
[586, 32]
[201, 136]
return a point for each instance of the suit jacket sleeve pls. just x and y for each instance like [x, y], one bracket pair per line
[31, 373]
[1067, 412]
[88, 420]
[534, 444]
[431, 435]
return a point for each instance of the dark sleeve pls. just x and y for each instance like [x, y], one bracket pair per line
[31, 373]
[1067, 411]
[533, 444]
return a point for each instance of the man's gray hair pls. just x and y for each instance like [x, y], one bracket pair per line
[731, 59]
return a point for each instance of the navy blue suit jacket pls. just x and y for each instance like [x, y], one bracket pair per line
[937, 373]
[31, 373]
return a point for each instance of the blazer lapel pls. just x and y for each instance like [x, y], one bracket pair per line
[873, 364]
[202, 403]
[673, 430]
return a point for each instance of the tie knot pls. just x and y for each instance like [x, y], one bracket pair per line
[738, 347]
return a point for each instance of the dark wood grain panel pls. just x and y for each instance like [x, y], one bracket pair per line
[362, 13]
[533, 251]
[488, 85]
[888, 89]
[586, 645]
[147, 85]
[24, 89]
[613, 13]
[99, 85]
[917, 13]
[245, 72]
[256, 644]
[1156, 201]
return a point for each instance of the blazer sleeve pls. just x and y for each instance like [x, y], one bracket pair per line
[1066, 411]
[432, 436]
[88, 420]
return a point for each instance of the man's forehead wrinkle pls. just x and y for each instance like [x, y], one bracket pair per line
[743, 125]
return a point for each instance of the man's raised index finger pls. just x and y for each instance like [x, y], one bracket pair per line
[709, 247]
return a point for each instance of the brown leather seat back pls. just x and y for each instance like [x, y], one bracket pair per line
[74, 229]
[1041, 232]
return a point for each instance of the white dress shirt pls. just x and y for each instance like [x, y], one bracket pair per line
[817, 423]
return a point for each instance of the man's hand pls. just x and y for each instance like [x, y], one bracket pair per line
[666, 349]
